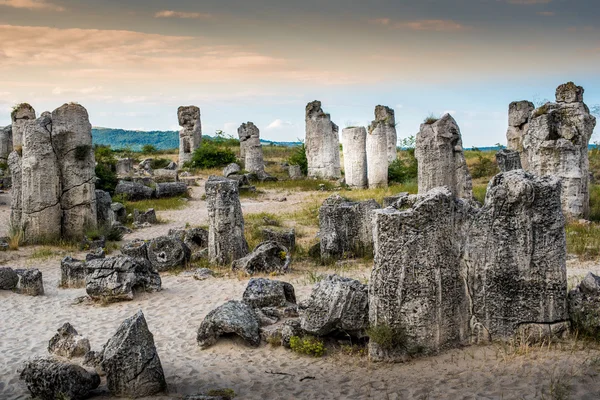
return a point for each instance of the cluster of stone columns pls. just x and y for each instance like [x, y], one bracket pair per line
[251, 148]
[553, 139]
[368, 155]
[53, 173]
[190, 136]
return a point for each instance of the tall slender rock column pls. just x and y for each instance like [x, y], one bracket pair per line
[6, 145]
[322, 144]
[251, 147]
[386, 121]
[21, 114]
[377, 155]
[190, 136]
[519, 113]
[354, 141]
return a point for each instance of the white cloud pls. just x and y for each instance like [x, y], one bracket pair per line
[230, 128]
[89, 90]
[181, 14]
[32, 5]
[279, 124]
[433, 25]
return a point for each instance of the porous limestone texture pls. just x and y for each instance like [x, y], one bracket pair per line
[322, 144]
[354, 142]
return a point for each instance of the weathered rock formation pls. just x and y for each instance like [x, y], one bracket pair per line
[16, 198]
[226, 241]
[439, 153]
[68, 343]
[508, 160]
[251, 149]
[168, 252]
[283, 236]
[519, 113]
[104, 212]
[268, 257]
[191, 134]
[354, 141]
[30, 282]
[336, 304]
[377, 155]
[8, 278]
[446, 273]
[556, 143]
[6, 143]
[116, 279]
[124, 166]
[134, 191]
[322, 144]
[385, 119]
[20, 116]
[131, 362]
[49, 379]
[345, 228]
[261, 292]
[584, 306]
[232, 317]
[171, 189]
[73, 273]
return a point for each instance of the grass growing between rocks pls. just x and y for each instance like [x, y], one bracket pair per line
[308, 345]
[253, 224]
[379, 194]
[172, 203]
[584, 240]
[43, 253]
[304, 185]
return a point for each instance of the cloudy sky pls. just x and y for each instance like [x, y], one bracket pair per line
[131, 63]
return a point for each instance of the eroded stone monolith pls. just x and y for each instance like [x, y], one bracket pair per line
[556, 143]
[354, 141]
[191, 134]
[251, 149]
[440, 157]
[21, 114]
[16, 198]
[377, 155]
[41, 187]
[322, 144]
[226, 241]
[519, 113]
[72, 142]
[508, 160]
[6, 145]
[385, 119]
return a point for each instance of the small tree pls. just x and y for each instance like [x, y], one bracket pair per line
[404, 168]
[298, 157]
[106, 167]
[149, 149]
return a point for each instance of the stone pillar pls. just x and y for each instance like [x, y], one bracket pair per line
[191, 134]
[508, 160]
[416, 289]
[439, 153]
[519, 113]
[354, 141]
[6, 145]
[377, 155]
[41, 186]
[251, 148]
[385, 120]
[124, 166]
[21, 114]
[226, 241]
[322, 144]
[16, 198]
[72, 140]
[345, 228]
[556, 143]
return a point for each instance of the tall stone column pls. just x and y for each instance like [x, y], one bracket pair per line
[556, 143]
[41, 186]
[439, 153]
[21, 114]
[226, 241]
[377, 155]
[322, 144]
[251, 148]
[385, 120]
[519, 113]
[6, 145]
[190, 136]
[16, 198]
[72, 140]
[354, 141]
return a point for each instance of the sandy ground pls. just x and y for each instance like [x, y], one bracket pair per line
[175, 313]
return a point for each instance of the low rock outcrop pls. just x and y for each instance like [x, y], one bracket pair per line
[261, 292]
[232, 317]
[268, 257]
[508, 160]
[68, 343]
[73, 273]
[8, 278]
[134, 191]
[168, 252]
[30, 282]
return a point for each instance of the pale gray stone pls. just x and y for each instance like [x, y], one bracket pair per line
[163, 175]
[262, 292]
[268, 257]
[21, 115]
[519, 113]
[441, 160]
[377, 155]
[231, 169]
[68, 343]
[251, 148]
[232, 317]
[190, 136]
[104, 212]
[124, 166]
[168, 252]
[8, 278]
[134, 191]
[354, 142]
[16, 198]
[73, 273]
[135, 249]
[569, 93]
[508, 160]
[322, 144]
[6, 142]
[30, 282]
[148, 216]
[295, 172]
[385, 119]
[284, 236]
[171, 189]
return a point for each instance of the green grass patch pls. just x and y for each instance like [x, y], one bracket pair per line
[308, 345]
[479, 192]
[171, 203]
[584, 240]
[43, 253]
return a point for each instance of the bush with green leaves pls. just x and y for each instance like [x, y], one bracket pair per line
[210, 154]
[149, 149]
[298, 157]
[405, 168]
[308, 345]
[159, 163]
[106, 169]
[484, 166]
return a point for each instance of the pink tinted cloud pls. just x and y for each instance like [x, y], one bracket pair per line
[431, 25]
[181, 14]
[32, 5]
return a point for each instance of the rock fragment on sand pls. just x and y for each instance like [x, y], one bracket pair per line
[168, 252]
[232, 317]
[68, 343]
[8, 278]
[261, 292]
[30, 282]
[268, 257]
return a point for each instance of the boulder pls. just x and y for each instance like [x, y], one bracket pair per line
[508, 160]
[345, 228]
[49, 379]
[232, 317]
[120, 212]
[441, 160]
[196, 239]
[171, 189]
[322, 143]
[135, 249]
[73, 273]
[336, 304]
[283, 236]
[30, 282]
[8, 279]
[354, 141]
[148, 216]
[231, 169]
[295, 172]
[104, 212]
[226, 241]
[268, 257]
[68, 343]
[164, 175]
[97, 254]
[131, 362]
[202, 274]
[584, 306]
[569, 93]
[124, 166]
[168, 252]
[261, 292]
[190, 136]
[172, 166]
[290, 329]
[251, 148]
[134, 191]
[117, 278]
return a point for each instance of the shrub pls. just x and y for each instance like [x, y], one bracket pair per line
[211, 155]
[388, 337]
[483, 167]
[16, 237]
[403, 170]
[430, 119]
[298, 157]
[149, 149]
[308, 345]
[106, 167]
[159, 163]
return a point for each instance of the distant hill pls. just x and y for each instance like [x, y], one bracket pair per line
[162, 140]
